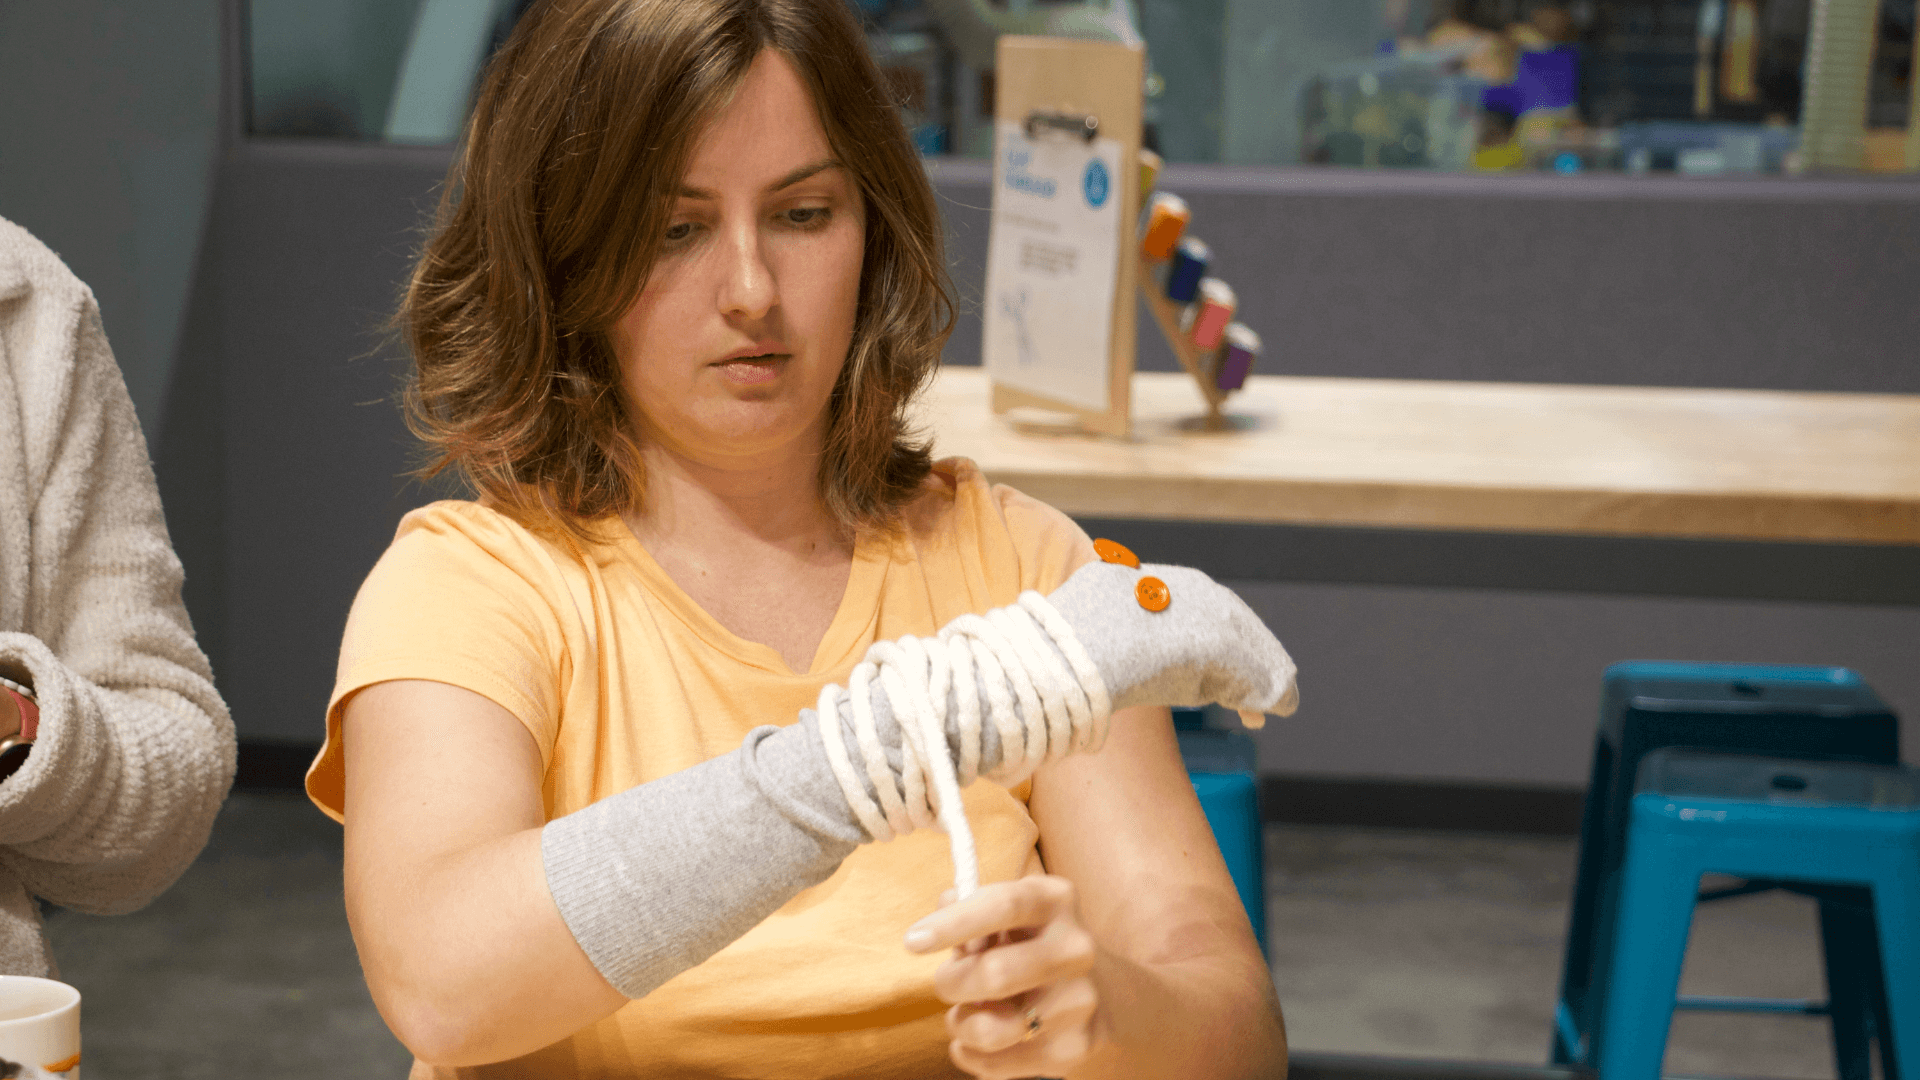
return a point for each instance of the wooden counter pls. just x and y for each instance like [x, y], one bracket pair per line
[1505, 457]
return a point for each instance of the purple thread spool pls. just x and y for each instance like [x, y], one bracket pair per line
[1236, 356]
[1188, 266]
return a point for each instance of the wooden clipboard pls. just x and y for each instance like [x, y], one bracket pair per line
[1058, 78]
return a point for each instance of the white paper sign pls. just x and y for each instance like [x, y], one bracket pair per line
[1053, 262]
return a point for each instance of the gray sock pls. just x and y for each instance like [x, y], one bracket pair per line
[663, 875]
[636, 877]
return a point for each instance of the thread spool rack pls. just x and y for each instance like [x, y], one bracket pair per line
[1195, 311]
[1199, 363]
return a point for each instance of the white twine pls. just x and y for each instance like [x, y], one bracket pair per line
[1041, 708]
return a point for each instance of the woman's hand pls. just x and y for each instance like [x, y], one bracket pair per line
[1020, 979]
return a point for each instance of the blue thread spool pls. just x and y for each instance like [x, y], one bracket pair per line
[1188, 266]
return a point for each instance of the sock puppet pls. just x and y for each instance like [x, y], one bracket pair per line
[636, 877]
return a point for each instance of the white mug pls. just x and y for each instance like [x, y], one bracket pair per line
[39, 1029]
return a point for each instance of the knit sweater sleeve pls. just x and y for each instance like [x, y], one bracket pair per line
[135, 750]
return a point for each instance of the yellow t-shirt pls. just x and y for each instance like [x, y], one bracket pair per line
[622, 679]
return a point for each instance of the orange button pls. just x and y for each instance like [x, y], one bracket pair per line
[1152, 594]
[1115, 553]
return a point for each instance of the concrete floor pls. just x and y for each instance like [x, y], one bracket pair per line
[245, 968]
[1448, 945]
[1384, 942]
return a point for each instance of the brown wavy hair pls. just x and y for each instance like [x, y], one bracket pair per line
[553, 216]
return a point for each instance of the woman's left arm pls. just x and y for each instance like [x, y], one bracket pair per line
[135, 749]
[1132, 956]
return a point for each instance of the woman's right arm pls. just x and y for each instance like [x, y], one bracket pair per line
[466, 954]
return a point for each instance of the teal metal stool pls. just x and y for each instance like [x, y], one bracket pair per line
[1768, 710]
[1801, 824]
[1221, 765]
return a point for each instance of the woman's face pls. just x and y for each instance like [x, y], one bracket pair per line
[732, 349]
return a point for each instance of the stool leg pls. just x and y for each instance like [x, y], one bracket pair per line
[1580, 989]
[1655, 913]
[1897, 909]
[1576, 1036]
[1853, 979]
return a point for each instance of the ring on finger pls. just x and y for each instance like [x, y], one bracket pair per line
[1033, 1024]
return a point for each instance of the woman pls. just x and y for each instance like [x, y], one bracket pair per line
[689, 280]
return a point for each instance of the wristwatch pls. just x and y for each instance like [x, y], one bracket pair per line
[15, 748]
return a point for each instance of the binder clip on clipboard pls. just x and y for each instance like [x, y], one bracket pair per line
[1086, 127]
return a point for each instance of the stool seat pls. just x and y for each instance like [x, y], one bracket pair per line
[1753, 781]
[1784, 820]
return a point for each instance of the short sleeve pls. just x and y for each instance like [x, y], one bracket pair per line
[463, 596]
[1050, 544]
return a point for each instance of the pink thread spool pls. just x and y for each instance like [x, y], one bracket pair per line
[1208, 318]
[1167, 218]
[1236, 357]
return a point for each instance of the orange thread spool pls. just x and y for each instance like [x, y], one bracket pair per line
[1167, 218]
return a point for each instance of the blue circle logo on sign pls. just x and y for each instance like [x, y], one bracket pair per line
[1095, 183]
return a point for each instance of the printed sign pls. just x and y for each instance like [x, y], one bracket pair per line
[1053, 253]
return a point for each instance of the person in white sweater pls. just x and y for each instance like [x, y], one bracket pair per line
[132, 750]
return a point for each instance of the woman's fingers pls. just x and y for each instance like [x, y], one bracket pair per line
[1020, 977]
[1059, 952]
[1025, 903]
[1044, 1034]
[987, 1027]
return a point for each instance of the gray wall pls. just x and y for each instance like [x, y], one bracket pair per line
[108, 113]
[284, 458]
[1642, 280]
[1503, 686]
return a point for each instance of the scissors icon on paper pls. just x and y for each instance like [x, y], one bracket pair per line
[1013, 304]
